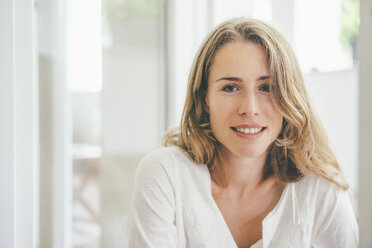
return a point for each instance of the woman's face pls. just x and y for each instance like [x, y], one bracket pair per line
[242, 115]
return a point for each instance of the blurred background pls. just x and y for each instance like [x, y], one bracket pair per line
[112, 76]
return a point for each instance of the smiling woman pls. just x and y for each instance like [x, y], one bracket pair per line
[250, 165]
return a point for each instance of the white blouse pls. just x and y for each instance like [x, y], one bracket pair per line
[174, 207]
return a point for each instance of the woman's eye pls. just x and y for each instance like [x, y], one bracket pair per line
[265, 88]
[230, 88]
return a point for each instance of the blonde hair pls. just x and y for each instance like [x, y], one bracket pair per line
[302, 146]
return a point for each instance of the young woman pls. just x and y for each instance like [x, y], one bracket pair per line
[250, 165]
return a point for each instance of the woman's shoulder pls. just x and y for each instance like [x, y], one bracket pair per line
[329, 210]
[166, 155]
[317, 184]
[319, 191]
[174, 160]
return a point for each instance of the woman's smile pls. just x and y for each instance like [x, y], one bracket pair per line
[248, 132]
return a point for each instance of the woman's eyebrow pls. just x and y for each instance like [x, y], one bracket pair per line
[229, 79]
[262, 78]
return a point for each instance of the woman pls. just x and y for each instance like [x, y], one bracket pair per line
[250, 165]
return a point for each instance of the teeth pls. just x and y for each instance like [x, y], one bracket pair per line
[249, 130]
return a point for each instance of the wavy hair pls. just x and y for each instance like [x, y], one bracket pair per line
[302, 146]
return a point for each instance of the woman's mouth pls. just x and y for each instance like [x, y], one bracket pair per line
[248, 130]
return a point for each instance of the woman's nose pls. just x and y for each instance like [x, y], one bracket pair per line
[249, 104]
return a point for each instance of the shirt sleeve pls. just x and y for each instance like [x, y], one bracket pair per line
[335, 222]
[153, 223]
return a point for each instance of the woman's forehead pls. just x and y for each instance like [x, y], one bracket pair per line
[240, 59]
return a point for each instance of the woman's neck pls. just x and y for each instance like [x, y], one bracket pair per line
[242, 175]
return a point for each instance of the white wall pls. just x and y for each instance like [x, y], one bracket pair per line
[335, 97]
[188, 24]
[19, 126]
[55, 127]
[7, 142]
[130, 100]
[365, 124]
[132, 88]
